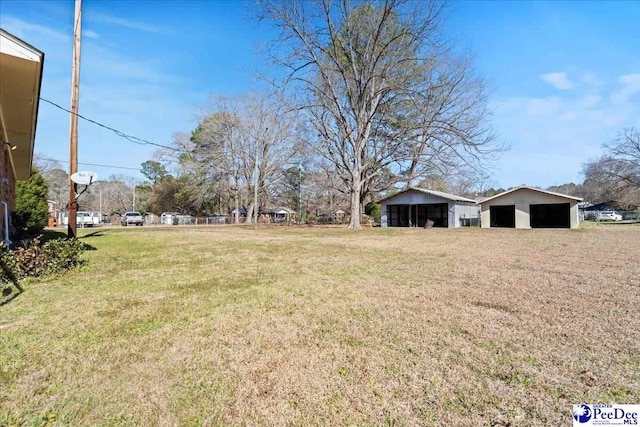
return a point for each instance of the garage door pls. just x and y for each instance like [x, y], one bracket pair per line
[503, 216]
[555, 215]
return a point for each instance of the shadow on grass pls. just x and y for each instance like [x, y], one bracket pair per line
[49, 235]
[52, 235]
[8, 294]
[97, 233]
[625, 222]
[88, 247]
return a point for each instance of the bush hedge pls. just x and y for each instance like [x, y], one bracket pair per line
[38, 259]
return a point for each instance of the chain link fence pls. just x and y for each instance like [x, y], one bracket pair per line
[606, 215]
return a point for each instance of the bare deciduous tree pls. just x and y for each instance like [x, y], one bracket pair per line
[625, 150]
[380, 88]
[616, 175]
[240, 143]
[116, 194]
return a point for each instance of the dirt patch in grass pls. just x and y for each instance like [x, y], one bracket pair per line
[324, 326]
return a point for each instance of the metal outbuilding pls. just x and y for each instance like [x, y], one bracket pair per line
[417, 207]
[529, 207]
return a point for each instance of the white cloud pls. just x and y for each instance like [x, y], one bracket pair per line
[553, 137]
[114, 20]
[28, 31]
[542, 106]
[630, 86]
[591, 79]
[558, 80]
[91, 34]
[506, 105]
[589, 101]
[108, 64]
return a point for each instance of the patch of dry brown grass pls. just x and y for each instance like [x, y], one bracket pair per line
[318, 326]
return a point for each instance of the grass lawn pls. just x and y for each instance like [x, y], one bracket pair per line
[323, 326]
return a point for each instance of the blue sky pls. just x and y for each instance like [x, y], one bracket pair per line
[565, 76]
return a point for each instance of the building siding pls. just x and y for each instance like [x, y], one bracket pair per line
[414, 197]
[523, 199]
[465, 210]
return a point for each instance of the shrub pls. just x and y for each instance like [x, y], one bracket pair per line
[39, 259]
[62, 254]
[32, 211]
[374, 210]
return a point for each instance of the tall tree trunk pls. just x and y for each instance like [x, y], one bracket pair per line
[356, 187]
[363, 199]
[237, 195]
[249, 219]
[236, 215]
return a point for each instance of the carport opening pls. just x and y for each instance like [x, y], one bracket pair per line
[417, 215]
[503, 216]
[554, 215]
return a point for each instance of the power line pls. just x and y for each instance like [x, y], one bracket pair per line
[130, 138]
[91, 164]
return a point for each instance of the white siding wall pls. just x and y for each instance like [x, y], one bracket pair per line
[451, 216]
[456, 209]
[465, 210]
[522, 199]
[383, 215]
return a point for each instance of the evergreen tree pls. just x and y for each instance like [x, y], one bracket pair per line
[32, 211]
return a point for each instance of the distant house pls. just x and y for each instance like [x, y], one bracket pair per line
[602, 206]
[53, 213]
[51, 206]
[20, 80]
[284, 214]
[278, 214]
[338, 216]
[417, 207]
[529, 207]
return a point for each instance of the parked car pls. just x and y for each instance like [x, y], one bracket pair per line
[132, 218]
[609, 216]
[87, 219]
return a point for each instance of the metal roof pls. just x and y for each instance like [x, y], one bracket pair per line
[526, 187]
[441, 194]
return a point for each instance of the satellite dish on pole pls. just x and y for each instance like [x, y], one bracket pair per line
[85, 178]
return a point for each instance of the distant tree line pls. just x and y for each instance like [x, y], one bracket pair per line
[214, 175]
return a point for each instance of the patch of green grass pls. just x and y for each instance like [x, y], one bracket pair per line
[325, 326]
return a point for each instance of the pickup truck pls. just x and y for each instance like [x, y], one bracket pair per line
[87, 219]
[132, 218]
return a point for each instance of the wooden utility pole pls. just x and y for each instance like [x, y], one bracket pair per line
[73, 132]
